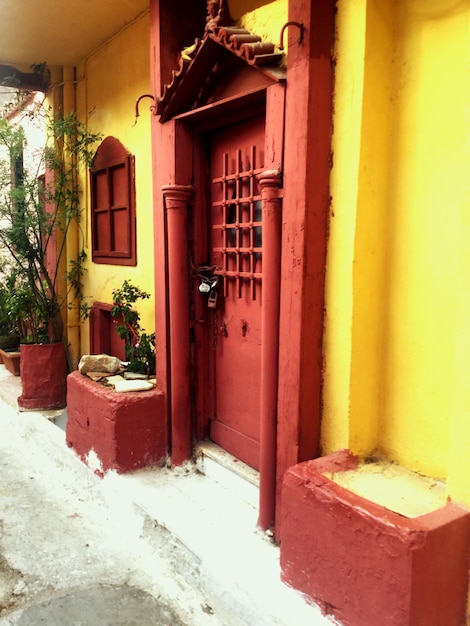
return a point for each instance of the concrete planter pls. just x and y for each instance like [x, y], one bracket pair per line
[11, 360]
[115, 431]
[366, 564]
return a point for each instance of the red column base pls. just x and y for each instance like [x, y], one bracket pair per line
[126, 431]
[365, 564]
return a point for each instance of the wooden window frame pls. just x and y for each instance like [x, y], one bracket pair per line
[110, 156]
[104, 338]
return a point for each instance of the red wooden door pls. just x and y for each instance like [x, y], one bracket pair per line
[235, 235]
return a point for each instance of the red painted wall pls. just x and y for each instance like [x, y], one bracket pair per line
[125, 430]
[305, 222]
[367, 565]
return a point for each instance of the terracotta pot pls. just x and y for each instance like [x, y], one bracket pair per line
[43, 370]
[11, 360]
[9, 343]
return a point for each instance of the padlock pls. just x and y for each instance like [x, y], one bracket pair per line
[212, 300]
[204, 287]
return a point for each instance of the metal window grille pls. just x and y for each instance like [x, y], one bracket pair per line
[236, 223]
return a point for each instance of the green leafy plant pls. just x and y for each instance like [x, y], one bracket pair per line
[35, 218]
[22, 307]
[9, 332]
[139, 346]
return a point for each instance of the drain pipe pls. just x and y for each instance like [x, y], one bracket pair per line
[177, 201]
[271, 193]
[72, 235]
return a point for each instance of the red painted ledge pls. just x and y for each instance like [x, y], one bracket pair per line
[125, 431]
[365, 564]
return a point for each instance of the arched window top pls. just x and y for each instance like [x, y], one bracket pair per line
[110, 149]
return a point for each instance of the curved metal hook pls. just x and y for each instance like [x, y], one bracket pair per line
[301, 28]
[152, 107]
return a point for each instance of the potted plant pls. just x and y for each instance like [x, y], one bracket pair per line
[9, 335]
[39, 202]
[138, 345]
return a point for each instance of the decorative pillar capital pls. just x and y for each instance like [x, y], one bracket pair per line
[177, 196]
[270, 178]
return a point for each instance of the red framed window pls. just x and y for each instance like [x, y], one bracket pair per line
[104, 338]
[113, 205]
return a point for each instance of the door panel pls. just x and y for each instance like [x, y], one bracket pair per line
[235, 233]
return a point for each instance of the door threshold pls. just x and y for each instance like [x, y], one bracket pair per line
[225, 469]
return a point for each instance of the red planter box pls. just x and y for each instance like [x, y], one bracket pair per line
[126, 431]
[365, 564]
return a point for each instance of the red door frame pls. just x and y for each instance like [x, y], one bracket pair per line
[306, 172]
[181, 140]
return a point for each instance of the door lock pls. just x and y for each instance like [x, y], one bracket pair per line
[208, 285]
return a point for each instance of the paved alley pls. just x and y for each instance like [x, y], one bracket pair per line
[63, 559]
[156, 547]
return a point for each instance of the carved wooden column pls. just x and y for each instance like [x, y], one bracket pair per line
[271, 200]
[177, 200]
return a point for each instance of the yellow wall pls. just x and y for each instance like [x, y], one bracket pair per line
[397, 274]
[349, 78]
[264, 20]
[240, 8]
[110, 81]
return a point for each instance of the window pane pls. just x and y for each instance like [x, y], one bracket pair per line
[119, 186]
[120, 227]
[102, 232]
[101, 191]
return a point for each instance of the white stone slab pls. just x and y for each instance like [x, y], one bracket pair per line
[132, 385]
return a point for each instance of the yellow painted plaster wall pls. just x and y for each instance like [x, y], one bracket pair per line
[240, 8]
[356, 251]
[110, 82]
[397, 327]
[429, 191]
[264, 19]
[349, 79]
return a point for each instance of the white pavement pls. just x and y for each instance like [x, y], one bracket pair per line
[163, 547]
